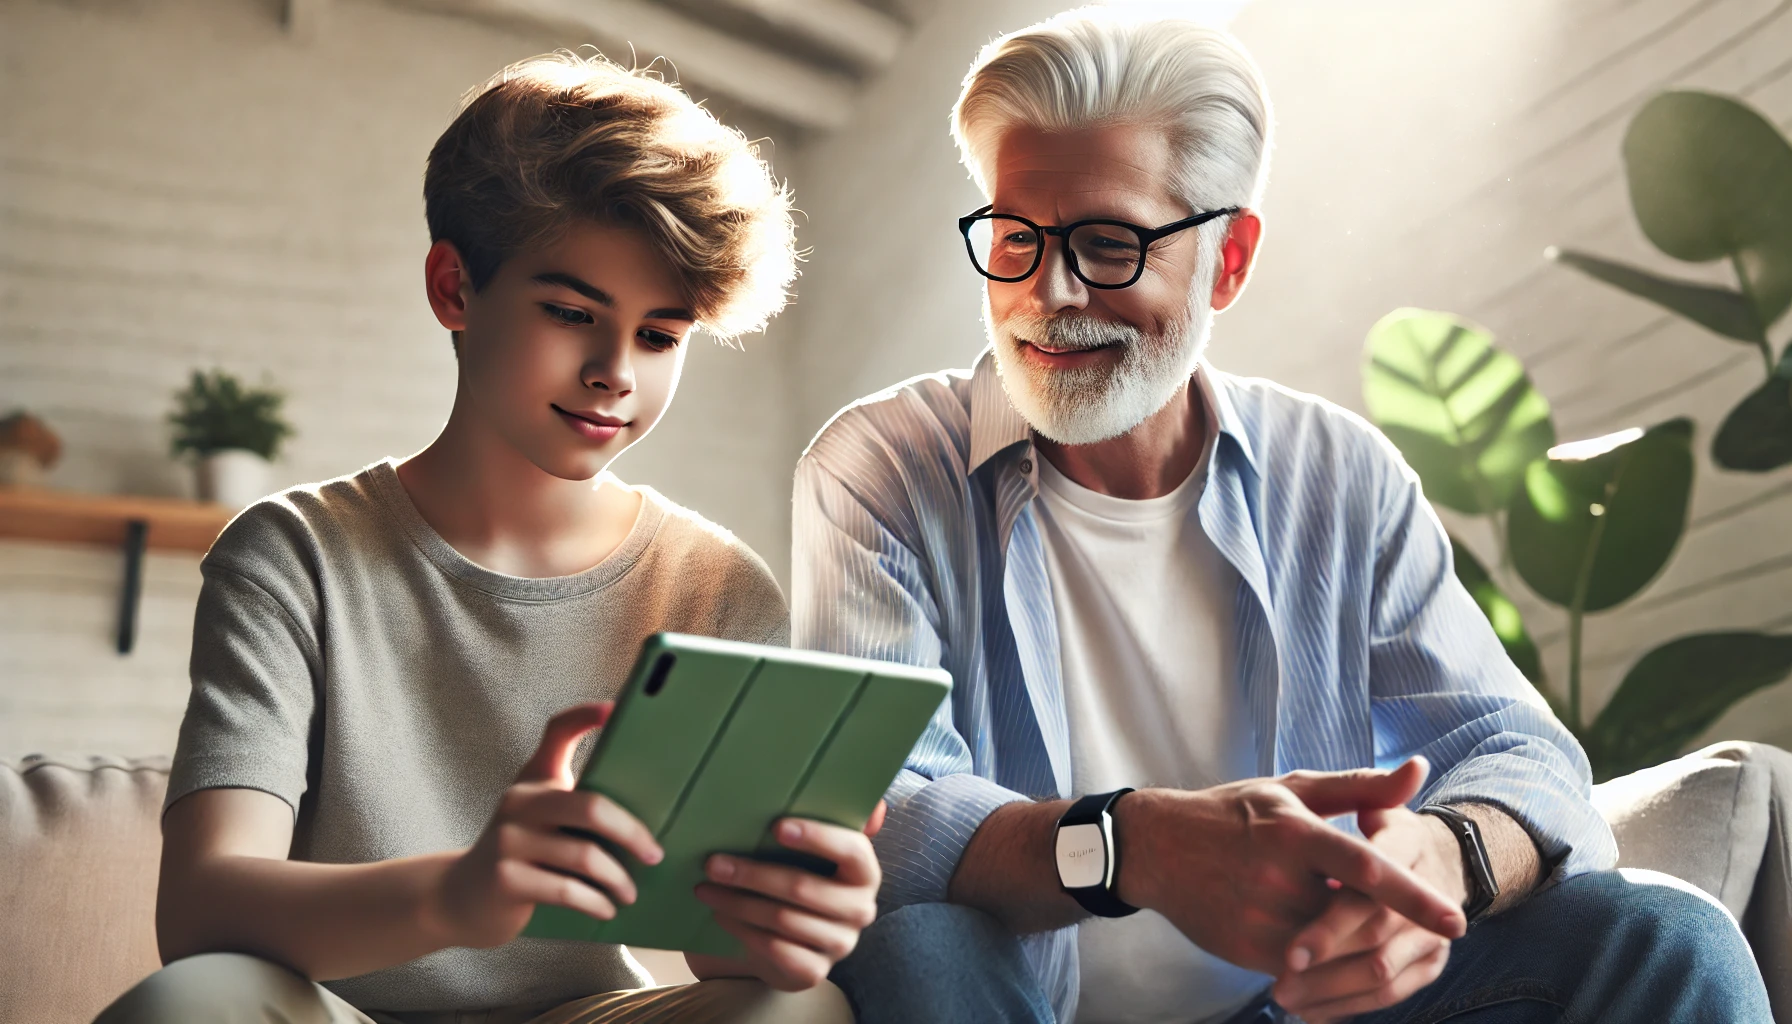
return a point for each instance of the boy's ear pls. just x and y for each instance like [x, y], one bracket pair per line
[448, 285]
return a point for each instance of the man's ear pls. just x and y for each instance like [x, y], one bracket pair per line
[1238, 250]
[448, 285]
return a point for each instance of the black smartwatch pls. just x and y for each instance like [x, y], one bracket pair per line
[1483, 887]
[1089, 857]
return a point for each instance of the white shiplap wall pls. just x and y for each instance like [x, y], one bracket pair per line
[1428, 154]
[180, 183]
[183, 184]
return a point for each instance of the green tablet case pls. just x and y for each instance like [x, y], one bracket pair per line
[712, 741]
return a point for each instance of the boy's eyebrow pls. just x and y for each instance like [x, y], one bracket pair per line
[603, 298]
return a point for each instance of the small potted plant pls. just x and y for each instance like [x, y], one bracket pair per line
[28, 449]
[232, 432]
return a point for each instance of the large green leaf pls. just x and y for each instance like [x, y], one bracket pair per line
[1723, 310]
[1757, 435]
[1600, 518]
[1711, 179]
[1501, 613]
[1462, 411]
[1677, 690]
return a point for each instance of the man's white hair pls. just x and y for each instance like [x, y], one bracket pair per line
[1095, 67]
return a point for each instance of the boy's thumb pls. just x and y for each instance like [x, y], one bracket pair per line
[552, 761]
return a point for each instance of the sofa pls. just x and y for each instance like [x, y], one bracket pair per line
[79, 843]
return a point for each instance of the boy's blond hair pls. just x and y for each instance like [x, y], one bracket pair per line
[559, 137]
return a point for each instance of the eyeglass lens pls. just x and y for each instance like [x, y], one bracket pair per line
[1007, 248]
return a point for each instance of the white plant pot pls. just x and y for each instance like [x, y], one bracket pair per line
[234, 478]
[20, 469]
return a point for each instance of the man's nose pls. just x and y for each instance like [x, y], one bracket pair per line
[1054, 288]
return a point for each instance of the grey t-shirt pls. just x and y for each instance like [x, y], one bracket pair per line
[349, 661]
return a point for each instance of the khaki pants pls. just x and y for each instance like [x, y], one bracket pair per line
[230, 988]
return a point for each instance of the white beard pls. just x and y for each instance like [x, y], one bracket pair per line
[1098, 403]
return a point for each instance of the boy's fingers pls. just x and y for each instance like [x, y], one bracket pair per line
[570, 855]
[795, 886]
[831, 938]
[536, 884]
[780, 963]
[1367, 870]
[597, 815]
[552, 762]
[851, 852]
[875, 823]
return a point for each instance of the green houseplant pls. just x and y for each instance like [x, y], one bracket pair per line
[1711, 180]
[1586, 526]
[231, 432]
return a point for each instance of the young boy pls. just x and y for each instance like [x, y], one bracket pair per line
[363, 796]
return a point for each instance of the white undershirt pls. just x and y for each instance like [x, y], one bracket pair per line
[1144, 604]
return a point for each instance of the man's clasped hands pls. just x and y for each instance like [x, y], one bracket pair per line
[1253, 873]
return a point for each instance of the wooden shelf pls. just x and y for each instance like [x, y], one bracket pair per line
[132, 524]
[72, 518]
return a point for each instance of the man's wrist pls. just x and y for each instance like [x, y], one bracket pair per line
[1135, 883]
[1456, 884]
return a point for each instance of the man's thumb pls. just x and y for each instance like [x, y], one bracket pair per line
[553, 758]
[1328, 794]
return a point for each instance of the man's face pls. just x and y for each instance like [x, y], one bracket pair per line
[1084, 364]
[572, 351]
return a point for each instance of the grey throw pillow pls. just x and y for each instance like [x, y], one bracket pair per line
[1703, 817]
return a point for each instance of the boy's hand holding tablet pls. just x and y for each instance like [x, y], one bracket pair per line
[527, 857]
[794, 924]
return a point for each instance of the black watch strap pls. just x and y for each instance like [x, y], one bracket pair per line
[1483, 887]
[1098, 899]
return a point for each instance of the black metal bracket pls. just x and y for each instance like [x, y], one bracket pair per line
[136, 537]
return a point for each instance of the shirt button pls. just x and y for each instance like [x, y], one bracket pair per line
[1026, 467]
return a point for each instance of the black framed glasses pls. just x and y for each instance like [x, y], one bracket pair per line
[1102, 253]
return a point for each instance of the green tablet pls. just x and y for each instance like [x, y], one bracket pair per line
[712, 741]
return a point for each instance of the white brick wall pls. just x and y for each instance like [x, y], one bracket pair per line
[182, 185]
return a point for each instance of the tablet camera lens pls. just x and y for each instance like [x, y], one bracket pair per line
[661, 669]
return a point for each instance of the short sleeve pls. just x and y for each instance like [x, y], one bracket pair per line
[756, 612]
[255, 660]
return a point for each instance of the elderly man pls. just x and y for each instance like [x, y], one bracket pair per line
[1189, 617]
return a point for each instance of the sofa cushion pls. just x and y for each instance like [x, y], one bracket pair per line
[80, 840]
[1702, 817]
[1768, 920]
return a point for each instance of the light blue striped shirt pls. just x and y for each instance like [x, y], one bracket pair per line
[915, 540]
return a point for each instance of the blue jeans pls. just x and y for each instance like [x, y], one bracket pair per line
[940, 963]
[1630, 947]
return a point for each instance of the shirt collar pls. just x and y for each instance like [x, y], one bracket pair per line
[996, 426]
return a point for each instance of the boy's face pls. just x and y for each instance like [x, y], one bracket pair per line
[572, 351]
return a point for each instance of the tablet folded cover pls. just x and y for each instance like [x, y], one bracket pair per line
[739, 736]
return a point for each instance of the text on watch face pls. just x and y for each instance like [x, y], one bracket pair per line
[1082, 856]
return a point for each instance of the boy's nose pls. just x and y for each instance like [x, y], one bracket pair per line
[610, 371]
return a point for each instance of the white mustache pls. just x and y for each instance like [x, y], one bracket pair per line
[1071, 331]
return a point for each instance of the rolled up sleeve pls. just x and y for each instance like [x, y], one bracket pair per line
[1442, 686]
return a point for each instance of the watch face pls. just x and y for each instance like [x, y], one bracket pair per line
[1082, 856]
